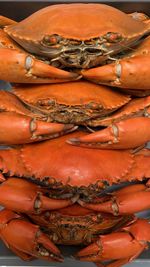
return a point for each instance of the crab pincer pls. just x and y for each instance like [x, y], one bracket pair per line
[27, 197]
[119, 135]
[21, 129]
[24, 68]
[119, 247]
[26, 238]
[129, 200]
[130, 72]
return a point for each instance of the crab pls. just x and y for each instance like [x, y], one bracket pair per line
[75, 226]
[67, 179]
[91, 105]
[53, 52]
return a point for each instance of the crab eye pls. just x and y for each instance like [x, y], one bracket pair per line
[51, 39]
[113, 37]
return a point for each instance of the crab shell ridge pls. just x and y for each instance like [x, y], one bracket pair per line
[68, 165]
[65, 20]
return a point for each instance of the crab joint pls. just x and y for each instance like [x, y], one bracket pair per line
[33, 125]
[118, 71]
[115, 132]
[28, 63]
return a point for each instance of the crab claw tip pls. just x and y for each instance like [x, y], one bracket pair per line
[60, 258]
[73, 141]
[71, 127]
[75, 75]
[89, 253]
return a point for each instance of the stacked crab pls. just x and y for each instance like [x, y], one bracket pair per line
[80, 75]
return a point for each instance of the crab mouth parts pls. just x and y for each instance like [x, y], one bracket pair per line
[88, 53]
[76, 57]
[76, 53]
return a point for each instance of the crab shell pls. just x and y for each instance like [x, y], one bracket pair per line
[47, 31]
[72, 102]
[73, 170]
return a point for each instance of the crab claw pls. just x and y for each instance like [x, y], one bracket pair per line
[120, 247]
[131, 73]
[19, 67]
[89, 253]
[129, 200]
[119, 135]
[21, 129]
[27, 197]
[23, 236]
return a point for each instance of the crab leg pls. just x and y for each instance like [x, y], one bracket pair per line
[120, 247]
[26, 238]
[20, 129]
[119, 135]
[27, 197]
[132, 73]
[131, 199]
[19, 67]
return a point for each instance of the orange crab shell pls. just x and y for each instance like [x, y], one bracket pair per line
[62, 165]
[66, 20]
[73, 102]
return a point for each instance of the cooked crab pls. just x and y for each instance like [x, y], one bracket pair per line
[85, 103]
[34, 236]
[73, 172]
[51, 51]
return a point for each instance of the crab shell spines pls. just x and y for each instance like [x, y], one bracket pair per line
[73, 18]
[72, 102]
[65, 165]
[47, 32]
